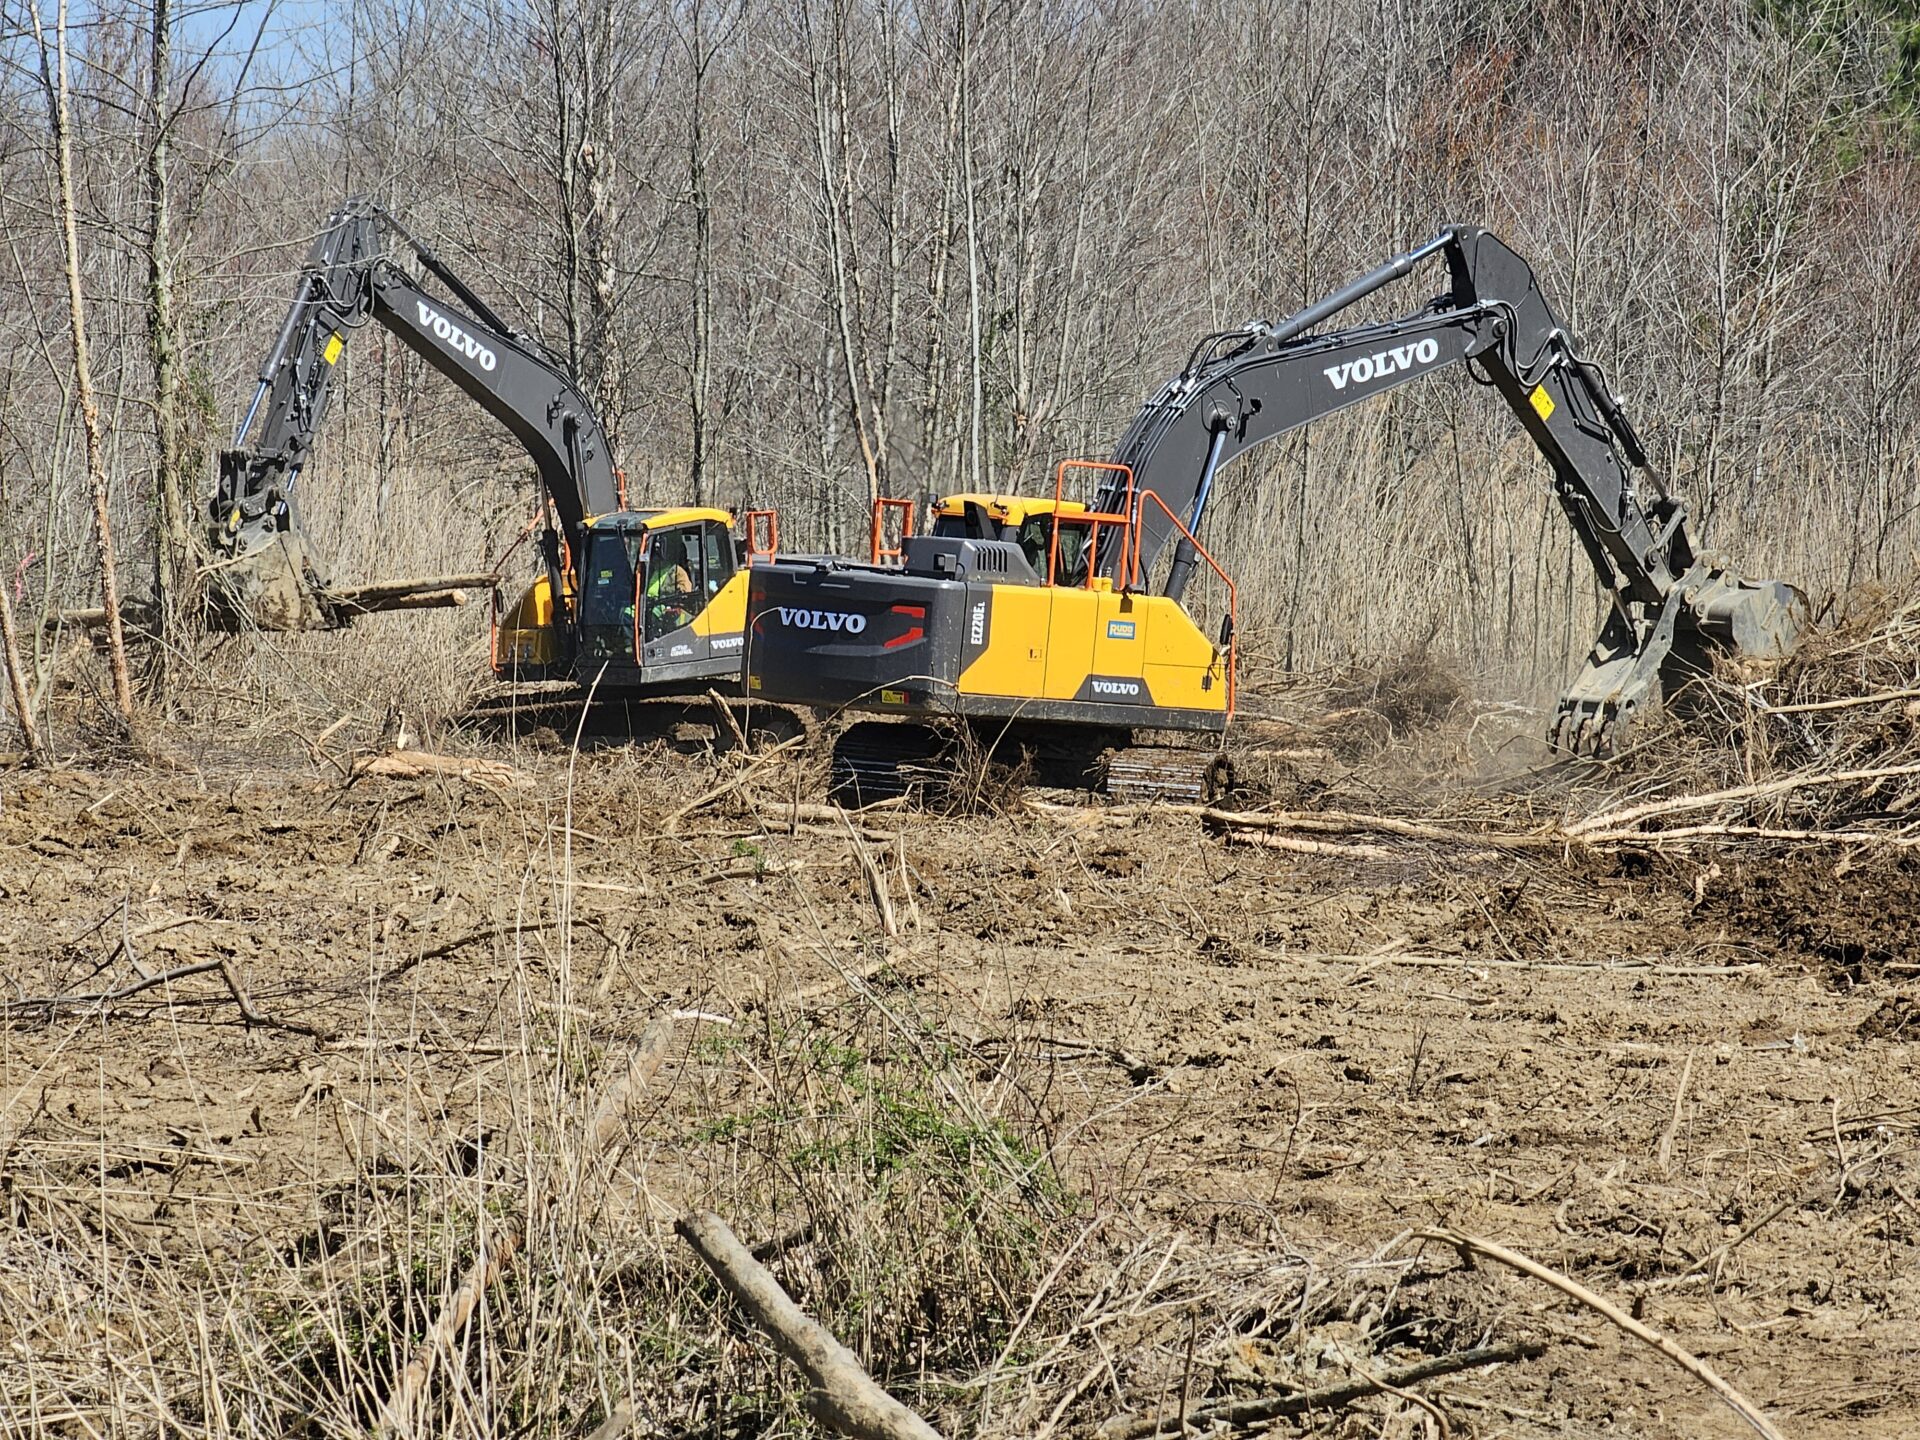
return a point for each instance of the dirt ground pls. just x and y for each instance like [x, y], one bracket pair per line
[1688, 1085]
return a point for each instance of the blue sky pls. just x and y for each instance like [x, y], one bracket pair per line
[287, 38]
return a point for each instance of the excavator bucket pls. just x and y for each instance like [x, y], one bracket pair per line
[1639, 660]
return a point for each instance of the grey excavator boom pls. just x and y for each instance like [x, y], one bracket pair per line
[1669, 611]
[265, 572]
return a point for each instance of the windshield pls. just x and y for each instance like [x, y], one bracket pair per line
[611, 561]
[1037, 535]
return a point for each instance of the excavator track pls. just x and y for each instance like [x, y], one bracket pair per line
[1141, 774]
[884, 760]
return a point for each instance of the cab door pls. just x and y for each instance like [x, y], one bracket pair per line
[724, 620]
[672, 594]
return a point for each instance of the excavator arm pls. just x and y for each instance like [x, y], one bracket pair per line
[265, 568]
[1669, 611]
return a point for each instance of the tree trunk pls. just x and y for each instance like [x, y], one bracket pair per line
[17, 680]
[57, 111]
[172, 546]
[699, 376]
[976, 410]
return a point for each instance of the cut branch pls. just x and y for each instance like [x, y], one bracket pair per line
[672, 822]
[845, 1398]
[1343, 822]
[402, 1408]
[1787, 784]
[1469, 1245]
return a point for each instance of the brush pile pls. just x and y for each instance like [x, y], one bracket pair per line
[1823, 749]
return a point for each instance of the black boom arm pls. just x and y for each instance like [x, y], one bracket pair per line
[1247, 386]
[347, 282]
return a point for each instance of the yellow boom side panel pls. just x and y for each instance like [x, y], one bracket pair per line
[527, 634]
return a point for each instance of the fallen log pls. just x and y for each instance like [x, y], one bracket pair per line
[134, 614]
[1348, 822]
[370, 596]
[1267, 840]
[433, 600]
[844, 1397]
[418, 764]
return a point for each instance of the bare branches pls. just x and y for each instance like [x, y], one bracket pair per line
[60, 120]
[1239, 1413]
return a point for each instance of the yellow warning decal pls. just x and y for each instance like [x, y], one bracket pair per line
[334, 346]
[1542, 402]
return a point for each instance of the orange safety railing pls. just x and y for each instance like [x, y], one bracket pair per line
[1233, 593]
[877, 548]
[1093, 519]
[752, 521]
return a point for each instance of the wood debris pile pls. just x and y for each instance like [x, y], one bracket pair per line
[1825, 750]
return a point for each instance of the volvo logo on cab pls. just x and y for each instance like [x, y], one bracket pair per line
[841, 620]
[1125, 689]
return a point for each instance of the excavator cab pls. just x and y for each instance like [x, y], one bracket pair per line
[663, 599]
[1027, 522]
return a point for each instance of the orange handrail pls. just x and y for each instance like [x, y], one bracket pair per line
[877, 549]
[1233, 592]
[752, 520]
[1093, 519]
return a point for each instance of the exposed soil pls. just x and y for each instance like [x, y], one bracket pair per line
[1616, 1064]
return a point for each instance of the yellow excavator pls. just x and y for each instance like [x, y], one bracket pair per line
[1048, 625]
[631, 600]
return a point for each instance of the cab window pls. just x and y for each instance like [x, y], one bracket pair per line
[674, 591]
[1073, 553]
[1036, 535]
[718, 556]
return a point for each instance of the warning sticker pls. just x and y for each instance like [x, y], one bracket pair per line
[1542, 402]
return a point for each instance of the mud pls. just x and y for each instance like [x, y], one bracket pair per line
[1618, 1065]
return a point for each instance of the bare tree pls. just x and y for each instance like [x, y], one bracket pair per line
[54, 75]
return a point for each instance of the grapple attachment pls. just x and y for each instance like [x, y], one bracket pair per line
[263, 576]
[1647, 653]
